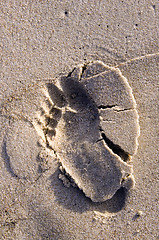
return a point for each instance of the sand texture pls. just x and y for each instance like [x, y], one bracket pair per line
[79, 120]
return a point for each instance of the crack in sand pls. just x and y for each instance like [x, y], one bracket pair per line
[105, 107]
[115, 148]
[114, 108]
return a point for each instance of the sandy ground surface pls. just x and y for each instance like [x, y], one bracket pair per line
[42, 40]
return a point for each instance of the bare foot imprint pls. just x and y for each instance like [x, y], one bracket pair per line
[90, 121]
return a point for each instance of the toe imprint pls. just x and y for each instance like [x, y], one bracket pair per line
[92, 125]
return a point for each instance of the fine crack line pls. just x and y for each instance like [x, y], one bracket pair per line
[123, 110]
[137, 58]
[108, 120]
[115, 108]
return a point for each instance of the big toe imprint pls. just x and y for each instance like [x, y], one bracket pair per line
[96, 134]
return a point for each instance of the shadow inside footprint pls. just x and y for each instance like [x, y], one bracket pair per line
[115, 204]
[80, 203]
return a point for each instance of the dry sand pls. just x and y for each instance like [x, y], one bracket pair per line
[40, 42]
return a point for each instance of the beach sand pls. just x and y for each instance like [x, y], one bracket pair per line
[43, 41]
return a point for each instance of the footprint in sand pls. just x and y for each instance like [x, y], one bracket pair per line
[90, 121]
